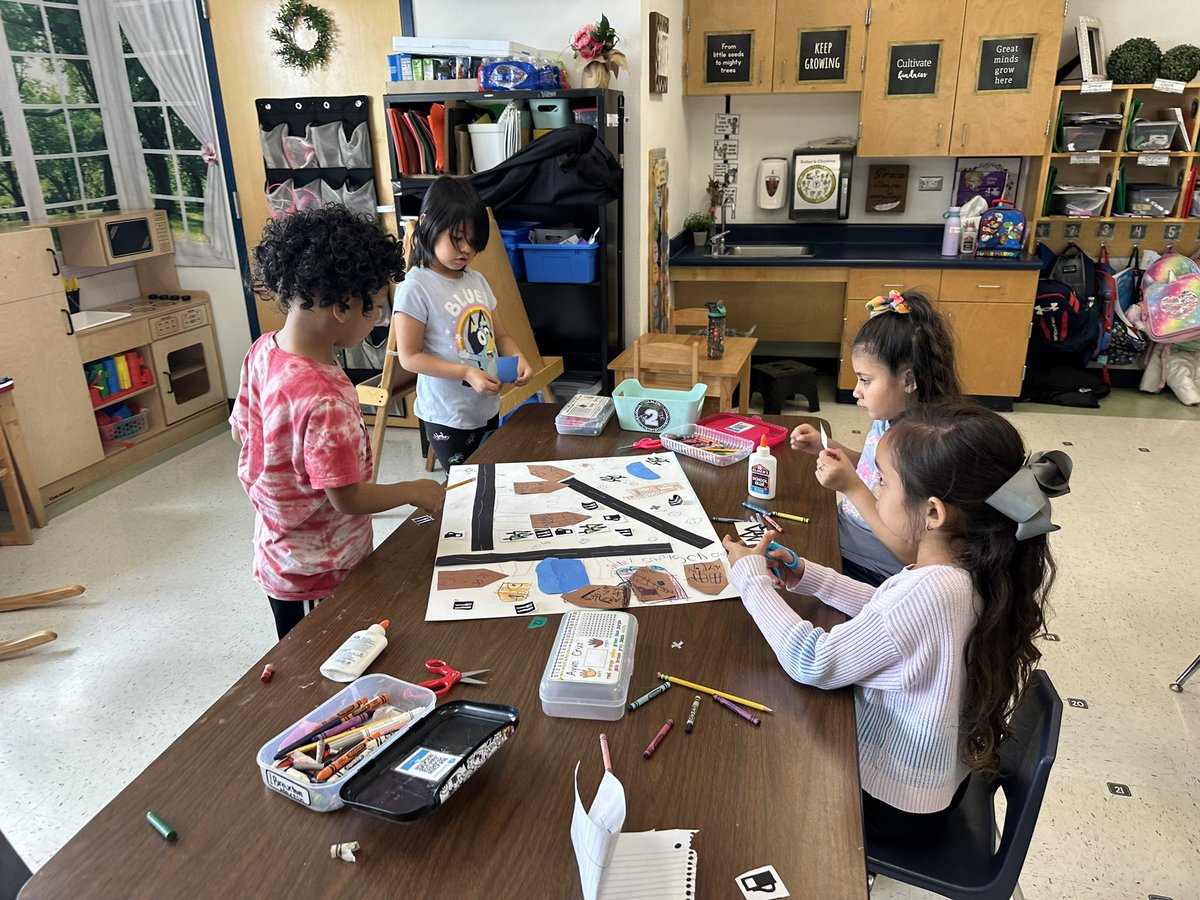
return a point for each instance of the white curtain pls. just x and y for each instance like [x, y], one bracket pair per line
[165, 35]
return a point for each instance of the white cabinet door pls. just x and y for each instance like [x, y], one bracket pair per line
[50, 390]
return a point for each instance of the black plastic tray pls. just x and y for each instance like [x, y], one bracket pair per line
[422, 768]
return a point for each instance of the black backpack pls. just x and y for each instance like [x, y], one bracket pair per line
[1063, 323]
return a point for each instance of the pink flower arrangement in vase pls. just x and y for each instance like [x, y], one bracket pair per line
[596, 43]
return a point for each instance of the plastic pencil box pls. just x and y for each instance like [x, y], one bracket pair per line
[403, 697]
[641, 408]
[589, 668]
[674, 440]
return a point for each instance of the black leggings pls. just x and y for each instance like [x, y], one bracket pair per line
[288, 613]
[887, 824]
[863, 574]
[452, 446]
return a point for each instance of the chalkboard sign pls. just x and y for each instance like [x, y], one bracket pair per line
[913, 69]
[822, 55]
[729, 58]
[1004, 63]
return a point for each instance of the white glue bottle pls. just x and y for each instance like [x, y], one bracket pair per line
[761, 480]
[360, 649]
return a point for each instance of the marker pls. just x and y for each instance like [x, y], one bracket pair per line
[725, 519]
[749, 717]
[658, 739]
[158, 824]
[267, 672]
[649, 695]
[691, 720]
[713, 691]
[604, 752]
[782, 515]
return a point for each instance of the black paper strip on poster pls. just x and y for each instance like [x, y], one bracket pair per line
[485, 507]
[634, 513]
[469, 559]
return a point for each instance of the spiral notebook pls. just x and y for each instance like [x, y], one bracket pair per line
[646, 865]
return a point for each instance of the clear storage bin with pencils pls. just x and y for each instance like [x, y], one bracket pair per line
[708, 445]
[404, 700]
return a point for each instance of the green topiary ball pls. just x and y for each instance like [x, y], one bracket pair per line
[1137, 61]
[1181, 63]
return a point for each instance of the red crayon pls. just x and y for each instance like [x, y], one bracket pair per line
[268, 671]
[658, 739]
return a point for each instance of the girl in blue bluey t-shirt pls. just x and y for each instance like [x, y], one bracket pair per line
[902, 355]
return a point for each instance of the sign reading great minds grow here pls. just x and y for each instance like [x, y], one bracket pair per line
[1004, 63]
[913, 69]
[728, 58]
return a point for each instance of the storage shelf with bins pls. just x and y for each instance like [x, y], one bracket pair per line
[582, 323]
[145, 419]
[1168, 166]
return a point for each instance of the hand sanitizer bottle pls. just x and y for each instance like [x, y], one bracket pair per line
[359, 651]
[761, 480]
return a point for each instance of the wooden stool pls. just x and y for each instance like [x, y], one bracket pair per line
[17, 480]
[779, 380]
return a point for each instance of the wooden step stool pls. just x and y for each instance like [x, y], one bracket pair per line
[779, 380]
[17, 480]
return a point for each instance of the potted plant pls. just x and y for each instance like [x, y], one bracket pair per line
[699, 224]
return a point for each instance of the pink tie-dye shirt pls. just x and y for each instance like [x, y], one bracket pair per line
[301, 431]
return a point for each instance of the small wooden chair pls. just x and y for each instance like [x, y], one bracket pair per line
[25, 601]
[18, 483]
[653, 357]
[380, 391]
[689, 317]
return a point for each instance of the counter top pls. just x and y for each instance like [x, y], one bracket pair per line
[858, 246]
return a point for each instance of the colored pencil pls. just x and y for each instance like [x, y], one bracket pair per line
[714, 692]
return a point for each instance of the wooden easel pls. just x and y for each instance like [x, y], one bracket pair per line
[18, 483]
[25, 601]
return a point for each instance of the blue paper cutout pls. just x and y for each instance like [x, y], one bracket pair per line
[641, 470]
[560, 576]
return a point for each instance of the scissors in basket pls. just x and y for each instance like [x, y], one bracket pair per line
[448, 676]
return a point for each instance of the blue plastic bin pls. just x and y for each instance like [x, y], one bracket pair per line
[560, 263]
[515, 233]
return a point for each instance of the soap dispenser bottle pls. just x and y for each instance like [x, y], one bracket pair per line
[772, 182]
[761, 476]
[359, 651]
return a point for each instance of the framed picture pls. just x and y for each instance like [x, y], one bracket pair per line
[995, 178]
[1091, 49]
[659, 27]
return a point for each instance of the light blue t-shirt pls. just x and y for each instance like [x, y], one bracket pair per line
[457, 314]
[859, 543]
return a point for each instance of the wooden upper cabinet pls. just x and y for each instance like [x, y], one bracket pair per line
[820, 46]
[730, 47]
[28, 266]
[1006, 78]
[907, 106]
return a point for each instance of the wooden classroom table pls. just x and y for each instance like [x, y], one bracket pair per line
[785, 794]
[721, 375]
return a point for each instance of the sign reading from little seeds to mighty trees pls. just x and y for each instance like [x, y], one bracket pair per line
[913, 69]
[728, 58]
[1004, 63]
[822, 55]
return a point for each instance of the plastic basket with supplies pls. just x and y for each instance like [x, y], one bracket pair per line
[640, 408]
[707, 445]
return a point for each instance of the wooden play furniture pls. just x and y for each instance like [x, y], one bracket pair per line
[721, 375]
[24, 601]
[17, 477]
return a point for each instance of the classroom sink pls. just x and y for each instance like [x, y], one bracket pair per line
[90, 318]
[768, 251]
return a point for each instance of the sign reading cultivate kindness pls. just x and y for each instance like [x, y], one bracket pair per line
[913, 69]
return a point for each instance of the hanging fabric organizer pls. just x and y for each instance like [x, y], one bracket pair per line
[317, 151]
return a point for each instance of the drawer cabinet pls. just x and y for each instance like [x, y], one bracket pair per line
[865, 284]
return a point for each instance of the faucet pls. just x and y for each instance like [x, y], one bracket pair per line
[716, 242]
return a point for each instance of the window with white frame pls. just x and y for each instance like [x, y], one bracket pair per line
[85, 126]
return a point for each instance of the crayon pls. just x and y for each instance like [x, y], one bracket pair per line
[691, 719]
[344, 761]
[726, 519]
[733, 707]
[268, 671]
[649, 695]
[757, 509]
[782, 515]
[604, 752]
[158, 824]
[774, 525]
[658, 739]
[358, 706]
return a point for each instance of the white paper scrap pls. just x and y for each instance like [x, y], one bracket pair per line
[824, 439]
[594, 832]
[652, 865]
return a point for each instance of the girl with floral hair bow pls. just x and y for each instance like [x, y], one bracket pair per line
[902, 355]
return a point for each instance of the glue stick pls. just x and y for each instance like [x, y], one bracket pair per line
[360, 649]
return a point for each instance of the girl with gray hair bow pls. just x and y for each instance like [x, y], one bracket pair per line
[940, 653]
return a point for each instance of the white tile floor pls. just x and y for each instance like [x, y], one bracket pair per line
[170, 618]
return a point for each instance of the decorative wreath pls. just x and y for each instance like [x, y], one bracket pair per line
[292, 14]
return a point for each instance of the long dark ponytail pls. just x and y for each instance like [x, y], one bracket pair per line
[918, 340]
[962, 453]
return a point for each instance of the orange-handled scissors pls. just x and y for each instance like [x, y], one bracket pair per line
[448, 676]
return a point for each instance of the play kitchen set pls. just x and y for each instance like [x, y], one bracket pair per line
[108, 385]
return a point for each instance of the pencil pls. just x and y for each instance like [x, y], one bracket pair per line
[789, 517]
[459, 483]
[714, 692]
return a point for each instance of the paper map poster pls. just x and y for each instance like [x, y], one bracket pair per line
[526, 539]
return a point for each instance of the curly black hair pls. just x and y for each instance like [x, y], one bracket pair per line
[325, 256]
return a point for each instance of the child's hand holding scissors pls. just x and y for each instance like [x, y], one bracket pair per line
[787, 568]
